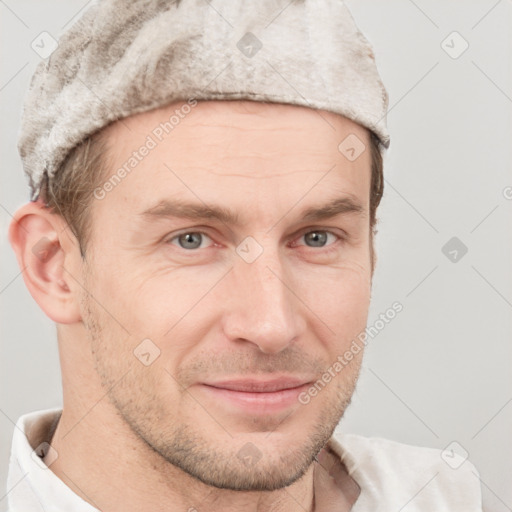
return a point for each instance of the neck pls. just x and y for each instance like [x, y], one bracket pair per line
[103, 461]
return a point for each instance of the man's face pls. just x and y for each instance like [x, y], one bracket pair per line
[240, 314]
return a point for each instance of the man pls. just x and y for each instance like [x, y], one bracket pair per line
[205, 182]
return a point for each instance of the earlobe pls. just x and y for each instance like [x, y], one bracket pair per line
[36, 236]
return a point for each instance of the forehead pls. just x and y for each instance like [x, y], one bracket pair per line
[234, 151]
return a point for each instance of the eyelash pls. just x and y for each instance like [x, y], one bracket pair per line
[326, 248]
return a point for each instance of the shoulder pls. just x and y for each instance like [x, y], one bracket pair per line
[413, 477]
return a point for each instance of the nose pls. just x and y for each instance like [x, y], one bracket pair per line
[262, 308]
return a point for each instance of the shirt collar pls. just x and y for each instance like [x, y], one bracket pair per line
[31, 484]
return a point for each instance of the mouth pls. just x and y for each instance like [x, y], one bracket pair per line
[257, 395]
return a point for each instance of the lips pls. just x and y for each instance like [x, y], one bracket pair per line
[258, 386]
[256, 396]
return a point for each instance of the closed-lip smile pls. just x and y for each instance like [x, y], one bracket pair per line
[257, 395]
[259, 385]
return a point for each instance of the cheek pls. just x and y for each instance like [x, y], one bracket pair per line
[340, 298]
[165, 305]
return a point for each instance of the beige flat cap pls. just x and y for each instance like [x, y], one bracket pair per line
[125, 57]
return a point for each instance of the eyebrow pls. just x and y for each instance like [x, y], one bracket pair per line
[196, 211]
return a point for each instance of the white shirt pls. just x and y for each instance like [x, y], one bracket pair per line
[392, 476]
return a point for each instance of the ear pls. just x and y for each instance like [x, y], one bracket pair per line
[48, 255]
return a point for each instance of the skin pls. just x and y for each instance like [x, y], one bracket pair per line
[212, 315]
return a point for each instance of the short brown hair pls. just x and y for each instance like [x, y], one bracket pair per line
[70, 193]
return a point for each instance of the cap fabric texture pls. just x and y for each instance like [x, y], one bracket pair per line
[121, 58]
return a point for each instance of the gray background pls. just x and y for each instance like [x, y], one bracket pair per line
[440, 371]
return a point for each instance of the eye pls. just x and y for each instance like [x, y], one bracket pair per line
[189, 240]
[319, 238]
